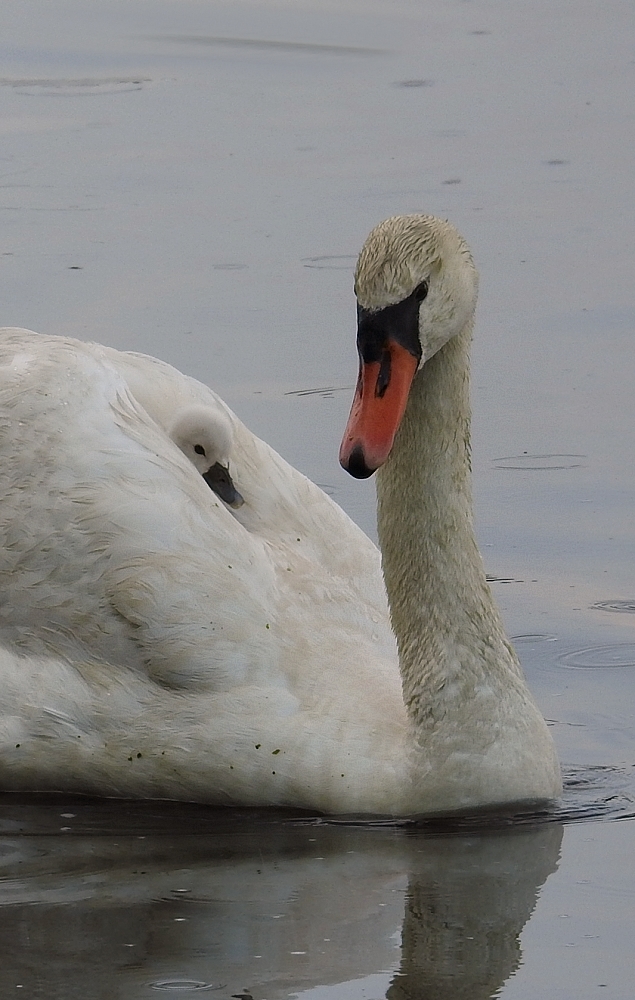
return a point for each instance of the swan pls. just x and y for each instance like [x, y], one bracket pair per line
[205, 436]
[203, 431]
[155, 644]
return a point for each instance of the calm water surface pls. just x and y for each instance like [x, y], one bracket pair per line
[193, 180]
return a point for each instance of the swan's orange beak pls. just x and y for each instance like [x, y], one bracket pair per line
[380, 400]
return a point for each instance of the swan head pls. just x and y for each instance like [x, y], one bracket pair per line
[205, 436]
[416, 288]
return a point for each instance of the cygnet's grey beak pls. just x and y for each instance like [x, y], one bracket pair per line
[219, 479]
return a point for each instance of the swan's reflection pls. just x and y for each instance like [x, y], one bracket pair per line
[262, 906]
[467, 901]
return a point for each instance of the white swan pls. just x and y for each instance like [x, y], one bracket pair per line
[205, 436]
[155, 644]
[203, 431]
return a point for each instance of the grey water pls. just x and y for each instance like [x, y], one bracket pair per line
[193, 179]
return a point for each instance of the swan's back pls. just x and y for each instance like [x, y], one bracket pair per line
[108, 529]
[157, 612]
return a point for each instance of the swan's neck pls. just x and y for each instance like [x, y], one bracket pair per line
[451, 642]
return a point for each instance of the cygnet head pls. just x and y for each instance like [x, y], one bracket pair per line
[416, 288]
[205, 436]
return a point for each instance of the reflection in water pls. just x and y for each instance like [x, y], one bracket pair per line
[465, 908]
[256, 904]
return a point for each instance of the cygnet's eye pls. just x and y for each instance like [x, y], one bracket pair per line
[199, 449]
[421, 291]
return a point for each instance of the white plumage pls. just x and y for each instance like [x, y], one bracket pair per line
[156, 644]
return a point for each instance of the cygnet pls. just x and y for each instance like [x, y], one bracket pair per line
[205, 436]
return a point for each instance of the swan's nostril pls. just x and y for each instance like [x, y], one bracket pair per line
[356, 464]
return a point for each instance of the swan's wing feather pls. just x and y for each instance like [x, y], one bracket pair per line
[282, 505]
[144, 623]
[109, 532]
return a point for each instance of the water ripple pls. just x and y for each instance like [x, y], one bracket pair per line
[614, 654]
[589, 793]
[622, 607]
[183, 985]
[85, 86]
[536, 463]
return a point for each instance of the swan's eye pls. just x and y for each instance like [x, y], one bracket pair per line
[199, 449]
[421, 291]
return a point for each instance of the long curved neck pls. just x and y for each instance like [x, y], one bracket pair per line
[448, 629]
